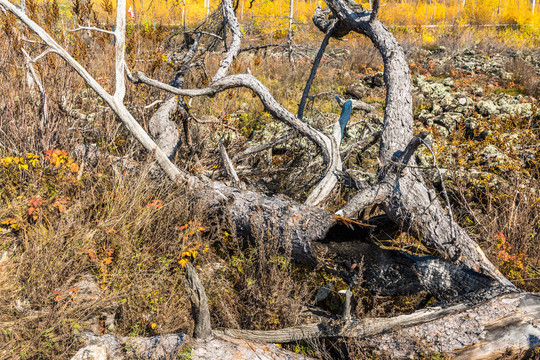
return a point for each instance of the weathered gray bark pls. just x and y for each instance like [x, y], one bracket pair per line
[163, 129]
[199, 304]
[222, 347]
[473, 329]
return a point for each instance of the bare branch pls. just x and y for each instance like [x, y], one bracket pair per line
[43, 54]
[375, 10]
[192, 51]
[152, 104]
[314, 68]
[119, 51]
[403, 158]
[500, 322]
[259, 47]
[227, 164]
[339, 126]
[93, 28]
[262, 147]
[202, 32]
[372, 195]
[44, 107]
[252, 83]
[234, 26]
[119, 109]
[357, 104]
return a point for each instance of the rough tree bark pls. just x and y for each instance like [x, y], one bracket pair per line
[400, 190]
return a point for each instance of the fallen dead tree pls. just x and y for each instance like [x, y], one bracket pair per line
[465, 277]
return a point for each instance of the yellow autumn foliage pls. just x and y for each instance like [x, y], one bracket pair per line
[271, 16]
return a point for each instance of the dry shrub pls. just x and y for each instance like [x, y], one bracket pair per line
[524, 76]
[133, 238]
[497, 195]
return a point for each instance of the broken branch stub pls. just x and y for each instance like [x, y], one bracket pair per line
[199, 304]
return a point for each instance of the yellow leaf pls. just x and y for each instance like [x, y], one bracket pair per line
[183, 262]
[153, 325]
[194, 253]
[23, 166]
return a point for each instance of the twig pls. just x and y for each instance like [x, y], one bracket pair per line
[406, 155]
[347, 305]
[152, 104]
[44, 108]
[445, 194]
[357, 104]
[201, 32]
[93, 28]
[259, 47]
[45, 53]
[227, 165]
[262, 147]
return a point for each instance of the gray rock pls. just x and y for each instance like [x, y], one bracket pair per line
[424, 116]
[447, 102]
[93, 352]
[357, 91]
[438, 91]
[494, 155]
[449, 82]
[441, 130]
[375, 80]
[437, 110]
[449, 120]
[524, 110]
[487, 108]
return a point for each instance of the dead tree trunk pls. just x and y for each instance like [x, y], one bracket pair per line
[400, 189]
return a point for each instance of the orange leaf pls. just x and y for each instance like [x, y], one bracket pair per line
[183, 262]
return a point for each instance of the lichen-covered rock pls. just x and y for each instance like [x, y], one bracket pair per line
[449, 82]
[93, 352]
[487, 108]
[357, 91]
[449, 120]
[424, 116]
[374, 80]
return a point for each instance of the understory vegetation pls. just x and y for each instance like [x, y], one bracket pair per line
[90, 244]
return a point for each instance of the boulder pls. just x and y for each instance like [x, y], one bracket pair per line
[487, 108]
